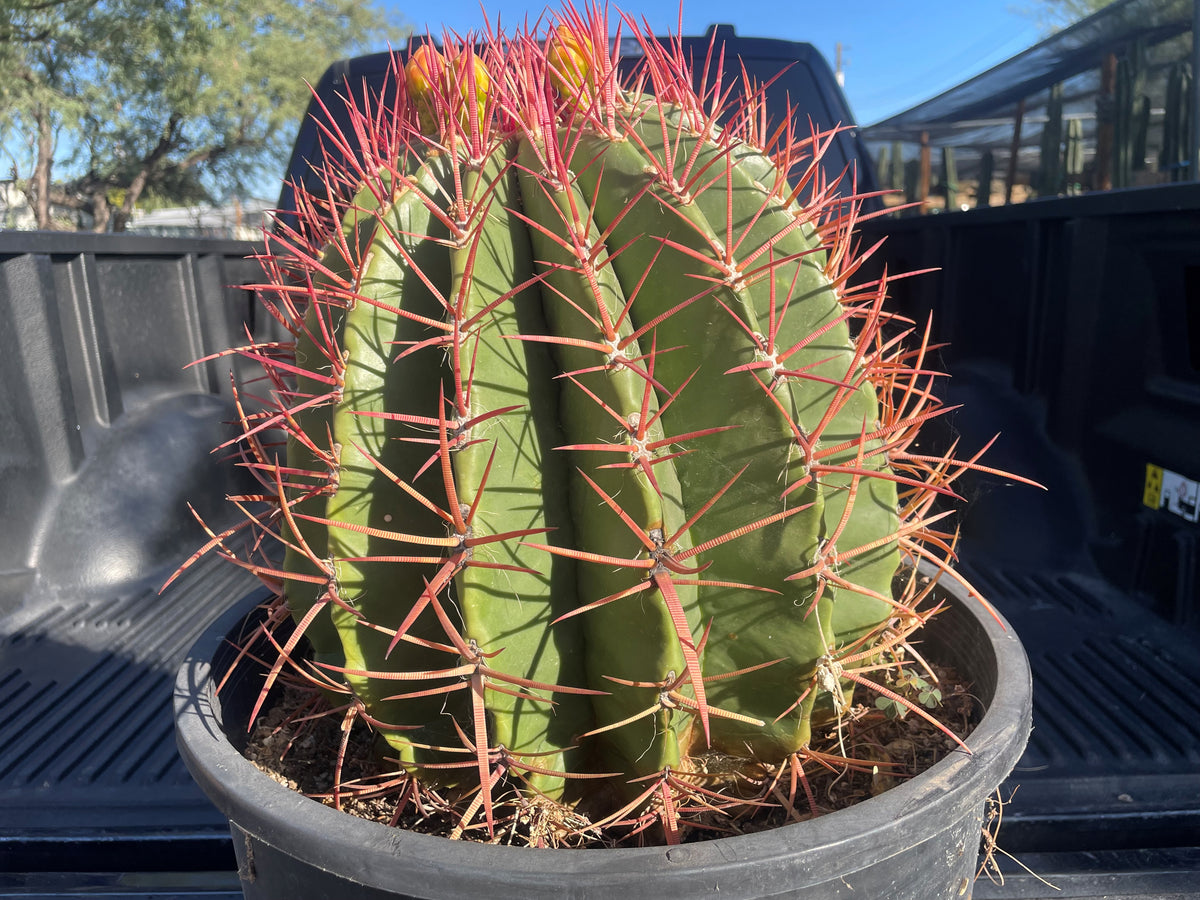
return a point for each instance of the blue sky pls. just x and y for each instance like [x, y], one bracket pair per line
[895, 52]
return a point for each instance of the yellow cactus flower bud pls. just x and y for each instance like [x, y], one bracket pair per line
[570, 58]
[483, 84]
[422, 74]
[424, 70]
[435, 87]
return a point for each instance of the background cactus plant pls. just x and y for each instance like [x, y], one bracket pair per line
[599, 469]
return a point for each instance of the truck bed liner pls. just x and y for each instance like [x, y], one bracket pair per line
[106, 435]
[1114, 758]
[88, 767]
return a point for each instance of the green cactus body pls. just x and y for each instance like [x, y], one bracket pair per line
[727, 320]
[632, 638]
[590, 457]
[510, 609]
[761, 438]
[309, 448]
[812, 337]
[401, 238]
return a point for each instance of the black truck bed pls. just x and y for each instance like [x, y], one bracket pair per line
[106, 439]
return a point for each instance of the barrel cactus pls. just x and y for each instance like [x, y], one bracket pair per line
[599, 474]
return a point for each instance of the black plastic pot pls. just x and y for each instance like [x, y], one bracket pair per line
[919, 840]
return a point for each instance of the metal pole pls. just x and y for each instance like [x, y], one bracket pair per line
[1193, 153]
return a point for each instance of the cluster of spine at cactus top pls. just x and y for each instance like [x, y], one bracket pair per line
[598, 474]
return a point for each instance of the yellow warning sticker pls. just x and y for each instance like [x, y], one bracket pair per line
[1172, 492]
[1152, 495]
